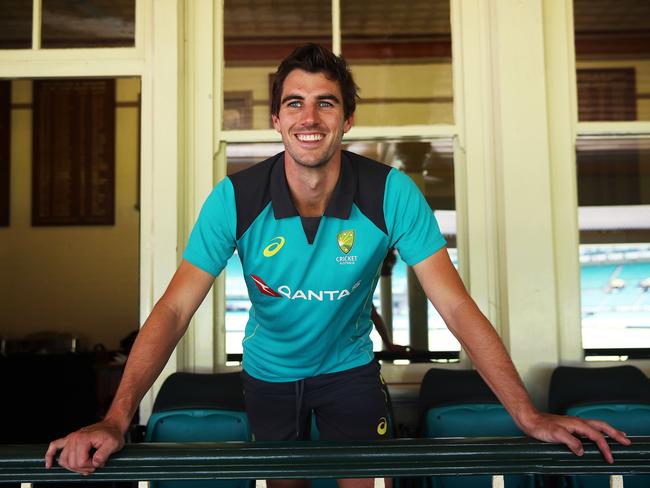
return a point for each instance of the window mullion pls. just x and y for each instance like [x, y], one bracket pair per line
[219, 69]
[336, 26]
[37, 16]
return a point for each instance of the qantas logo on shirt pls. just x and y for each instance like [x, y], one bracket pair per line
[263, 287]
[317, 295]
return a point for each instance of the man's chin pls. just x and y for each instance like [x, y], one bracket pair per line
[312, 162]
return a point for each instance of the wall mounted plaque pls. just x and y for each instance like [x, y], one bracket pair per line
[5, 151]
[74, 152]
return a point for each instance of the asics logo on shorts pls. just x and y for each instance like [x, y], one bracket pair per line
[382, 427]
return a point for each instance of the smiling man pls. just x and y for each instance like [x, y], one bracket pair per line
[312, 226]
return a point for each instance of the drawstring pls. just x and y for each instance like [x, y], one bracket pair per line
[300, 388]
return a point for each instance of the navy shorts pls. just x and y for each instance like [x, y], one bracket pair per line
[347, 405]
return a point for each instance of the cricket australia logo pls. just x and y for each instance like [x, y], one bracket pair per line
[345, 240]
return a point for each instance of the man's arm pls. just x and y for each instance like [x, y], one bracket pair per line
[380, 325]
[159, 335]
[447, 293]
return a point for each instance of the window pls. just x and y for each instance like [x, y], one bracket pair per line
[612, 47]
[389, 46]
[15, 24]
[385, 43]
[91, 23]
[613, 174]
[66, 24]
[614, 218]
[430, 164]
[258, 35]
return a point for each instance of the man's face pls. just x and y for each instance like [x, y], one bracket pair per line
[311, 118]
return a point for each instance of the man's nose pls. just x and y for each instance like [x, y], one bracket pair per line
[309, 114]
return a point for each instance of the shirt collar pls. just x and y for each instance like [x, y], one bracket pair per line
[339, 206]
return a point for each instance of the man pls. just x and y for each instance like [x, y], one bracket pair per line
[312, 226]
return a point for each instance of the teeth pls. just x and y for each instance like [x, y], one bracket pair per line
[309, 137]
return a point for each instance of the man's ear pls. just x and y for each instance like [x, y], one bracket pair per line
[348, 123]
[276, 122]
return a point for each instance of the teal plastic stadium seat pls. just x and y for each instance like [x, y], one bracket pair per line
[633, 419]
[200, 408]
[198, 426]
[458, 403]
[618, 395]
[471, 420]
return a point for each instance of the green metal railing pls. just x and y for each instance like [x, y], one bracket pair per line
[392, 458]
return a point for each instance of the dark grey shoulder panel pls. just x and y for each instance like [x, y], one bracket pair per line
[371, 186]
[252, 192]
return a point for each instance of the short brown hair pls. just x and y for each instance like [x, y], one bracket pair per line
[314, 58]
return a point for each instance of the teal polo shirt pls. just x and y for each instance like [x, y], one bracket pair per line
[311, 280]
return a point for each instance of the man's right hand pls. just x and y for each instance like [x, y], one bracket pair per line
[104, 437]
[87, 449]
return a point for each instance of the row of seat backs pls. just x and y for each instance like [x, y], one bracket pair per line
[200, 408]
[458, 403]
[452, 403]
[209, 408]
[618, 395]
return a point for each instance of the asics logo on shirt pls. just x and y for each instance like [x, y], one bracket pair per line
[273, 248]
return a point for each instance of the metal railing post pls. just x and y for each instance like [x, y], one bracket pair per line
[616, 481]
[498, 481]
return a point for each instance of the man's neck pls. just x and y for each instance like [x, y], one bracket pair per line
[311, 188]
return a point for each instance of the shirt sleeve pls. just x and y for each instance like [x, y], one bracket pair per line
[412, 227]
[212, 240]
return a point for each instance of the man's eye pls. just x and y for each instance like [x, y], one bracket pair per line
[294, 104]
[324, 103]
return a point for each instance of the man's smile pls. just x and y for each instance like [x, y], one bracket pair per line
[310, 137]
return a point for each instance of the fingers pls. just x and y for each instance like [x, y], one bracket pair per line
[615, 434]
[600, 441]
[101, 455]
[564, 430]
[75, 455]
[592, 430]
[571, 441]
[52, 449]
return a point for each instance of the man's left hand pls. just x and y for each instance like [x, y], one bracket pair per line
[565, 430]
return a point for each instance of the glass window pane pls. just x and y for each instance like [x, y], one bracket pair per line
[613, 59]
[614, 217]
[88, 23]
[15, 24]
[400, 53]
[430, 164]
[258, 35]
